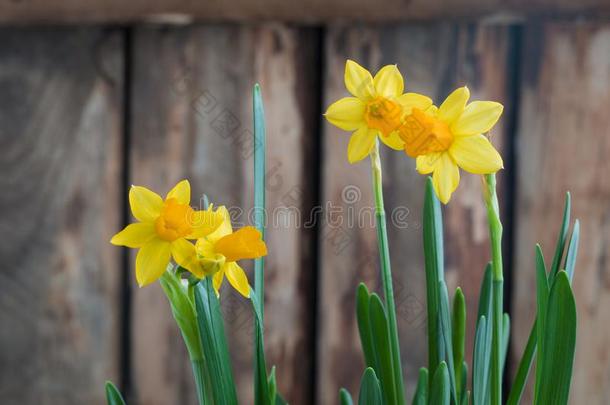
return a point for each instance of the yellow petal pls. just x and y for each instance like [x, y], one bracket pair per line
[347, 113]
[184, 253]
[446, 178]
[134, 235]
[388, 82]
[408, 101]
[476, 154]
[151, 261]
[181, 192]
[453, 105]
[217, 280]
[360, 144]
[425, 164]
[477, 118]
[358, 81]
[224, 228]
[394, 141]
[246, 243]
[237, 278]
[145, 205]
[203, 223]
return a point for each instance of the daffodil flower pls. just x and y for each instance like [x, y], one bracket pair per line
[163, 230]
[217, 254]
[377, 108]
[450, 137]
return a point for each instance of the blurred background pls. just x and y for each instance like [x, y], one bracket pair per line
[96, 96]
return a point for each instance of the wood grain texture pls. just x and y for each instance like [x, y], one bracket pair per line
[305, 11]
[435, 59]
[192, 119]
[60, 158]
[564, 141]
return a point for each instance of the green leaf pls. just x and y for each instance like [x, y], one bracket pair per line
[259, 186]
[272, 384]
[370, 392]
[421, 393]
[262, 394]
[484, 308]
[458, 338]
[561, 238]
[345, 398]
[557, 352]
[542, 297]
[464, 388]
[433, 255]
[381, 343]
[440, 393]
[505, 337]
[445, 329]
[570, 262]
[364, 326]
[113, 396]
[527, 359]
[214, 343]
[481, 362]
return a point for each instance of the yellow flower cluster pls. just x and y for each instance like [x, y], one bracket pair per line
[167, 225]
[441, 139]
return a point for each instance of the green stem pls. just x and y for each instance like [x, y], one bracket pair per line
[495, 233]
[386, 271]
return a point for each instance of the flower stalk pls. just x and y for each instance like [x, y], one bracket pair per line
[495, 234]
[386, 270]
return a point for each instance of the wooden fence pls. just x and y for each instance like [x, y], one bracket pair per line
[87, 111]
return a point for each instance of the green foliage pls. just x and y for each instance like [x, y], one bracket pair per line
[421, 393]
[345, 398]
[370, 391]
[113, 396]
[217, 362]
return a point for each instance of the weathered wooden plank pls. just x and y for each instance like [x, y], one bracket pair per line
[60, 158]
[192, 118]
[564, 140]
[308, 11]
[434, 60]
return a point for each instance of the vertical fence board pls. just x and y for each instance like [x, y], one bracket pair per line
[192, 119]
[563, 145]
[434, 59]
[60, 158]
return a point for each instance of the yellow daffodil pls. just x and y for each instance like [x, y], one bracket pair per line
[451, 136]
[377, 108]
[217, 254]
[163, 230]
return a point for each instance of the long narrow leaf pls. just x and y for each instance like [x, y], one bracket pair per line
[570, 262]
[562, 237]
[370, 392]
[381, 342]
[421, 392]
[557, 353]
[482, 362]
[345, 398]
[433, 255]
[445, 330]
[113, 396]
[364, 326]
[262, 394]
[214, 343]
[542, 297]
[440, 393]
[458, 330]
